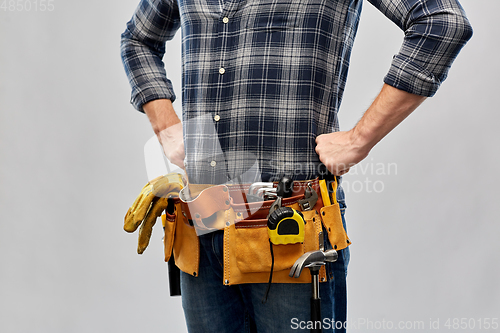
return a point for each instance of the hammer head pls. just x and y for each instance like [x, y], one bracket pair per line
[312, 259]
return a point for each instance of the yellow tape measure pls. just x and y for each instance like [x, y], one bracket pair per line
[286, 226]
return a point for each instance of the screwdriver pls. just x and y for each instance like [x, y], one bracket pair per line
[327, 186]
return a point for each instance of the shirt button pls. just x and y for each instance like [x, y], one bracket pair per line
[222, 70]
[217, 117]
[225, 19]
[213, 163]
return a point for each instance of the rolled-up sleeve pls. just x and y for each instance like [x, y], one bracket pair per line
[435, 32]
[143, 47]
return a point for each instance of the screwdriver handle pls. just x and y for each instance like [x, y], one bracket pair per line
[331, 183]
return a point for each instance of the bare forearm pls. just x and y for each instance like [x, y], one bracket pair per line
[168, 129]
[340, 151]
[388, 110]
[161, 114]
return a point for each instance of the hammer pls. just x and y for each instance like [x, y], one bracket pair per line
[314, 260]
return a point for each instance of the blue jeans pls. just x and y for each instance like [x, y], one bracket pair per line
[210, 306]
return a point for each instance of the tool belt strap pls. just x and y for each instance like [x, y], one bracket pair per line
[205, 205]
[201, 210]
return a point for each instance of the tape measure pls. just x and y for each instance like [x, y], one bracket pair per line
[286, 226]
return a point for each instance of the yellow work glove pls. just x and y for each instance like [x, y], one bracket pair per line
[149, 205]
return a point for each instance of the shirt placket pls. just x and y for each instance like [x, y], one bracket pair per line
[224, 22]
[228, 9]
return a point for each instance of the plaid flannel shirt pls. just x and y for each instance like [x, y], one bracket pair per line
[262, 79]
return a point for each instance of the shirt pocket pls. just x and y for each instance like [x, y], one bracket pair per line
[271, 15]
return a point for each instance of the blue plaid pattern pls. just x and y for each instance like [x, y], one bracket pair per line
[262, 78]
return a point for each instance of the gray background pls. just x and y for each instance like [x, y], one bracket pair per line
[71, 152]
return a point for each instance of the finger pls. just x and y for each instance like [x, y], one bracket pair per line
[131, 221]
[343, 172]
[140, 212]
[128, 226]
[157, 208]
[144, 190]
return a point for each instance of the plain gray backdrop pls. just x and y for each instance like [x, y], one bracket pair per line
[423, 208]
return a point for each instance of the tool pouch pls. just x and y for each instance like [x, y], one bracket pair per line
[332, 220]
[169, 223]
[180, 239]
[252, 249]
[189, 218]
[247, 254]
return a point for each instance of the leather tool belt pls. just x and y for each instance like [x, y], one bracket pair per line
[247, 257]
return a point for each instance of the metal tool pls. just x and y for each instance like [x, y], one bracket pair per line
[310, 198]
[283, 190]
[275, 205]
[267, 193]
[314, 260]
[256, 186]
[260, 191]
[310, 258]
